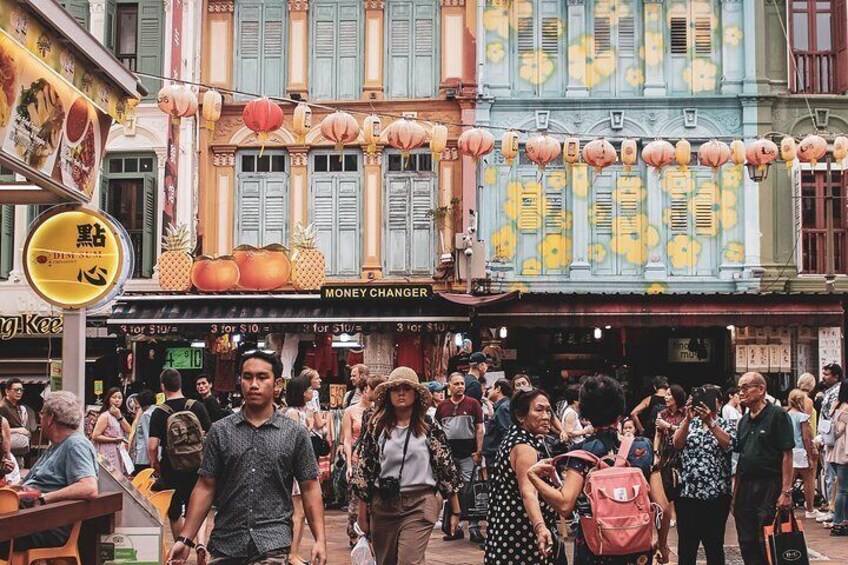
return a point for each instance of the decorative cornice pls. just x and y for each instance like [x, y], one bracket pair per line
[453, 3]
[375, 4]
[373, 159]
[224, 157]
[221, 7]
[450, 154]
[298, 5]
[97, 6]
[299, 157]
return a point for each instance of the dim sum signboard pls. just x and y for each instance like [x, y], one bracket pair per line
[55, 113]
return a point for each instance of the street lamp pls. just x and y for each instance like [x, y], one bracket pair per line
[758, 173]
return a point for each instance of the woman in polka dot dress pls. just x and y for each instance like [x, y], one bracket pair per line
[520, 525]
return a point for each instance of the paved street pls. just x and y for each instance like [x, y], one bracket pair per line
[822, 546]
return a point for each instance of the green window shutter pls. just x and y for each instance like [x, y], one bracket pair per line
[104, 191]
[78, 9]
[397, 224]
[324, 218]
[324, 51]
[110, 25]
[148, 241]
[272, 51]
[249, 211]
[274, 220]
[422, 225]
[248, 46]
[400, 46]
[151, 22]
[7, 240]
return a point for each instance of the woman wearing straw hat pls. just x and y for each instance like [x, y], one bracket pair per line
[404, 461]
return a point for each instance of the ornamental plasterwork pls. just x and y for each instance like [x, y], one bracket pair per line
[299, 158]
[298, 5]
[97, 6]
[453, 3]
[224, 158]
[373, 159]
[221, 7]
[375, 4]
[450, 154]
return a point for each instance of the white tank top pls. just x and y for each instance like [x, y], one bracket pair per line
[578, 426]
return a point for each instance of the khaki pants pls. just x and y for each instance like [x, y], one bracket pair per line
[400, 532]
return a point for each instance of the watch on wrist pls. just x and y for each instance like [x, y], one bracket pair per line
[186, 542]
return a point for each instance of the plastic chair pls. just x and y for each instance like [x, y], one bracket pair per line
[9, 502]
[161, 501]
[142, 478]
[68, 551]
[147, 488]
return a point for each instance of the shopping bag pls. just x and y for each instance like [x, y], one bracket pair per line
[785, 543]
[474, 498]
[362, 554]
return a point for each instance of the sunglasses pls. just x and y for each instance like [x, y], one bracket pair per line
[17, 389]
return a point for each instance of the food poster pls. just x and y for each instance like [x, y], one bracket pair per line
[48, 125]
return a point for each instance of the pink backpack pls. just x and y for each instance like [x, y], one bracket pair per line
[622, 520]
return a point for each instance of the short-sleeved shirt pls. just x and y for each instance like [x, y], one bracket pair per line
[214, 409]
[705, 470]
[460, 421]
[798, 418]
[63, 464]
[473, 388]
[254, 470]
[417, 471]
[762, 442]
[159, 419]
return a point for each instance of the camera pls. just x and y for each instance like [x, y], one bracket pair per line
[706, 395]
[389, 489]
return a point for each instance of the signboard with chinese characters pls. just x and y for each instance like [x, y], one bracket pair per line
[830, 346]
[74, 257]
[184, 358]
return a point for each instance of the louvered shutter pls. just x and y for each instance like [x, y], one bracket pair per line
[529, 214]
[324, 217]
[150, 42]
[78, 9]
[600, 221]
[703, 41]
[249, 210]
[603, 210]
[248, 46]
[400, 45]
[7, 240]
[705, 217]
[678, 202]
[324, 51]
[148, 238]
[347, 228]
[679, 31]
[110, 24]
[424, 52]
[271, 70]
[525, 45]
[840, 43]
[627, 35]
[603, 35]
[347, 70]
[397, 222]
[104, 193]
[551, 42]
[274, 210]
[422, 225]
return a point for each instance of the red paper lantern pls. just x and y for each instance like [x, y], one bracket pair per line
[543, 149]
[599, 153]
[340, 128]
[476, 143]
[406, 135]
[262, 116]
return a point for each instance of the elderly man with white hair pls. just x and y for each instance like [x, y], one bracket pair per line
[66, 471]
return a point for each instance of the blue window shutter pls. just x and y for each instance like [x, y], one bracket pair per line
[324, 51]
[422, 226]
[249, 211]
[109, 28]
[348, 82]
[525, 46]
[148, 242]
[347, 227]
[551, 41]
[400, 47]
[78, 9]
[248, 46]
[336, 50]
[425, 55]
[150, 42]
[324, 218]
[273, 48]
[275, 210]
[397, 223]
[7, 239]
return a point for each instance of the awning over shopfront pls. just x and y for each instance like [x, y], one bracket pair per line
[258, 314]
[584, 310]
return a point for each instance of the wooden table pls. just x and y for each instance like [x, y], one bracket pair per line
[97, 516]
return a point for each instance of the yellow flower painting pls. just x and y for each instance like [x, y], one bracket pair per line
[654, 46]
[634, 77]
[656, 288]
[531, 267]
[496, 19]
[683, 251]
[597, 253]
[555, 250]
[495, 52]
[504, 242]
[536, 67]
[733, 36]
[734, 252]
[701, 76]
[632, 236]
[490, 175]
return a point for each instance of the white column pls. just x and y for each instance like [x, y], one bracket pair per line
[73, 352]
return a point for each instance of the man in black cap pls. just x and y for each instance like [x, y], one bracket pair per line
[474, 379]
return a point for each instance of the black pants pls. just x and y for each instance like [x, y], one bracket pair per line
[754, 507]
[701, 521]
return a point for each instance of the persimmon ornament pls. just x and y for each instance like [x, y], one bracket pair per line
[406, 135]
[599, 153]
[840, 148]
[438, 141]
[811, 149]
[214, 274]
[265, 268]
[302, 120]
[475, 143]
[629, 154]
[658, 154]
[211, 110]
[263, 117]
[788, 150]
[713, 153]
[542, 149]
[340, 128]
[683, 154]
[372, 127]
[509, 146]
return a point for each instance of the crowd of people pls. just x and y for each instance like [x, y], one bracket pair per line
[409, 450]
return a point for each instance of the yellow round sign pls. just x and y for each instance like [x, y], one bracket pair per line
[74, 257]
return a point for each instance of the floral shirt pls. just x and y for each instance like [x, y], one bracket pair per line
[705, 473]
[367, 470]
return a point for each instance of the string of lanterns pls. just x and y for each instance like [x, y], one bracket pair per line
[264, 116]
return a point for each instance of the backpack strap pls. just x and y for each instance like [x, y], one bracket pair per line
[189, 403]
[624, 452]
[165, 408]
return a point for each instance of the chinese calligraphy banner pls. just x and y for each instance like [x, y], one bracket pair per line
[75, 257]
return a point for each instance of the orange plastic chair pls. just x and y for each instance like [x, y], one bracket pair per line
[69, 551]
[8, 503]
[161, 501]
[142, 478]
[147, 488]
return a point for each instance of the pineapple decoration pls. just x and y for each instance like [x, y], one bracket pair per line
[308, 273]
[175, 261]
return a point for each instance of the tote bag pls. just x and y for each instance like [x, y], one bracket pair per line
[785, 543]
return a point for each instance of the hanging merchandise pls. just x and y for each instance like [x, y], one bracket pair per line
[211, 112]
[599, 153]
[713, 153]
[658, 154]
[811, 149]
[571, 151]
[372, 127]
[509, 146]
[840, 148]
[542, 149]
[177, 101]
[438, 141]
[476, 143]
[788, 150]
[262, 116]
[683, 154]
[406, 135]
[340, 128]
[737, 152]
[302, 121]
[629, 154]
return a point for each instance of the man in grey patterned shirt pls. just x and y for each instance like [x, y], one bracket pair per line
[249, 464]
